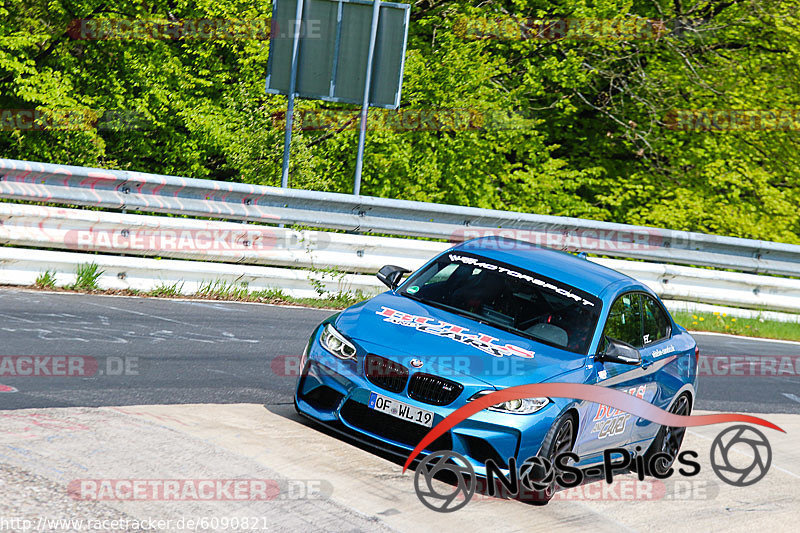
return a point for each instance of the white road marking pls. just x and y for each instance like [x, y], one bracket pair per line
[131, 311]
[17, 318]
[227, 308]
[214, 370]
[791, 396]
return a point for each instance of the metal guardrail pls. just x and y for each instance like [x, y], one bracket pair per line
[81, 230]
[19, 266]
[332, 260]
[42, 182]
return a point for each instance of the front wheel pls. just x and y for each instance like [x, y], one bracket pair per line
[668, 439]
[558, 440]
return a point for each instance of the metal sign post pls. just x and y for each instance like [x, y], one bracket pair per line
[331, 55]
[362, 133]
[287, 137]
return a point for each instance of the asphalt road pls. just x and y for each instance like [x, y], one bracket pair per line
[154, 351]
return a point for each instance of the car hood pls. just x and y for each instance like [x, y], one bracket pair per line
[445, 343]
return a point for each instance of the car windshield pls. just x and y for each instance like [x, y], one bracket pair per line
[508, 298]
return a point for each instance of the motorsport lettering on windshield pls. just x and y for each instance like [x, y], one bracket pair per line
[519, 275]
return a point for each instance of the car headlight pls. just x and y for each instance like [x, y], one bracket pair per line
[334, 342]
[522, 406]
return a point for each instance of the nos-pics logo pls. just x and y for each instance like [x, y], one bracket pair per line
[458, 481]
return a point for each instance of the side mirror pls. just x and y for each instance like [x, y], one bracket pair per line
[391, 275]
[619, 352]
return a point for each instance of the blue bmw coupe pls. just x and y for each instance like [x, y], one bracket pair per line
[488, 314]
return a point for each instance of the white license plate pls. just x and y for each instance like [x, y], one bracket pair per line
[400, 410]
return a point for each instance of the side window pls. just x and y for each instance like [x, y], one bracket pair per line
[656, 323]
[625, 321]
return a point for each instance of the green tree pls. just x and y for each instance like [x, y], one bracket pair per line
[561, 119]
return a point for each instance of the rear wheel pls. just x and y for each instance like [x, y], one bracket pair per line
[668, 439]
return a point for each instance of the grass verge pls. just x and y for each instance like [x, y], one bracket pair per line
[46, 280]
[216, 290]
[751, 327]
[86, 277]
[165, 290]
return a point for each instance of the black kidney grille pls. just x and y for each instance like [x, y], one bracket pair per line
[433, 389]
[385, 373]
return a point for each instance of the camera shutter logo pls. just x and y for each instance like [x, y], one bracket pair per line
[536, 473]
[448, 501]
[735, 475]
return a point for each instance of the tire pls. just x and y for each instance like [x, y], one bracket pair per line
[668, 439]
[560, 439]
[297, 407]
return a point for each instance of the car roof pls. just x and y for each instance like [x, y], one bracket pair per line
[560, 266]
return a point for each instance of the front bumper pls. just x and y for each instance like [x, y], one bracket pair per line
[336, 393]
